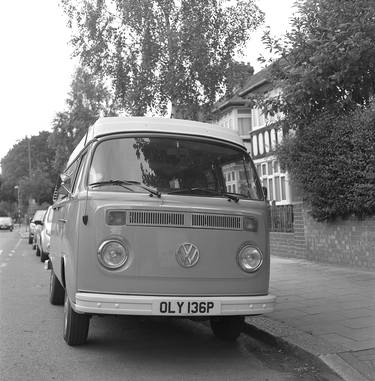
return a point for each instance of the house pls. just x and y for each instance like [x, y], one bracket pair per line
[260, 134]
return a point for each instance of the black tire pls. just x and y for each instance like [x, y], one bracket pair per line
[76, 326]
[30, 240]
[43, 256]
[37, 252]
[227, 328]
[56, 290]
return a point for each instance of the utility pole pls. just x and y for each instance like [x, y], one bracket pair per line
[29, 155]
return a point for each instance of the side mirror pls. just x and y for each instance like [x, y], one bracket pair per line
[265, 192]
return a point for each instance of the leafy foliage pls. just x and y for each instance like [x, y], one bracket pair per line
[326, 72]
[334, 163]
[87, 100]
[161, 52]
[15, 170]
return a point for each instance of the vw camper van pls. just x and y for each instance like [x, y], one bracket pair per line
[164, 217]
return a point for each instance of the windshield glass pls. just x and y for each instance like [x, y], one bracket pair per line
[181, 166]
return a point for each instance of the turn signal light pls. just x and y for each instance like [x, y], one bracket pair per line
[115, 217]
[250, 224]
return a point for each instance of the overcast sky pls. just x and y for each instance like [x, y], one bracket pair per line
[36, 65]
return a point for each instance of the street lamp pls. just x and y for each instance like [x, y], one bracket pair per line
[18, 203]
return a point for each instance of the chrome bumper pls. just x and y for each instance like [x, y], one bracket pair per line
[149, 305]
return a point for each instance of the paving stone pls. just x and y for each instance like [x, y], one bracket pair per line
[360, 322]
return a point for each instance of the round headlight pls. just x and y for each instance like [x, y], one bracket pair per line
[249, 258]
[113, 254]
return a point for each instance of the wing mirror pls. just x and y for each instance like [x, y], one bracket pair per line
[64, 179]
[265, 192]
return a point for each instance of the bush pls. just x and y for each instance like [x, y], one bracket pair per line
[333, 161]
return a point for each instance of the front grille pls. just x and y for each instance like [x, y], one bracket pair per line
[151, 218]
[183, 219]
[216, 221]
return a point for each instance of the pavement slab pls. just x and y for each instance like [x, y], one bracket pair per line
[325, 310]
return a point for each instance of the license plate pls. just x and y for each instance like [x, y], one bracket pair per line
[186, 307]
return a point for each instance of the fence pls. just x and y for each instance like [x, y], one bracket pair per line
[282, 218]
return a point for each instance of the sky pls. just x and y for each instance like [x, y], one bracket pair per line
[37, 66]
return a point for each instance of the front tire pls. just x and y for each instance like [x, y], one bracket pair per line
[227, 328]
[56, 290]
[76, 326]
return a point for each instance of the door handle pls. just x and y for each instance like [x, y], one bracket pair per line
[62, 220]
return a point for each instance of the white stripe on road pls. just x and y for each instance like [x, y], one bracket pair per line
[3, 265]
[1, 252]
[18, 243]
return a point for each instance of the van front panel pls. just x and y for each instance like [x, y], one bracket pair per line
[156, 231]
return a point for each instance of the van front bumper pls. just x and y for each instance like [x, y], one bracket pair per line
[172, 306]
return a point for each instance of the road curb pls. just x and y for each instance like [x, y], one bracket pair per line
[273, 332]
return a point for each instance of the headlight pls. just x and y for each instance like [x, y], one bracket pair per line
[113, 254]
[249, 258]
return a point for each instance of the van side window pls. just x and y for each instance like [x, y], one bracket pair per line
[68, 180]
[78, 181]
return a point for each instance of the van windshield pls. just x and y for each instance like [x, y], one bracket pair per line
[171, 165]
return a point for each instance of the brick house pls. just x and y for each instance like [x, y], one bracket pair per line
[260, 135]
[294, 232]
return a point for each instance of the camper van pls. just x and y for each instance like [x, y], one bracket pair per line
[159, 217]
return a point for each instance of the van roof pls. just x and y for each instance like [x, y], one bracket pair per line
[115, 125]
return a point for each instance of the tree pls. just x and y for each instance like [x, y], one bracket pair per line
[326, 71]
[87, 100]
[33, 177]
[327, 60]
[161, 52]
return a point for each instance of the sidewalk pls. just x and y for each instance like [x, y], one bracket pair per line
[325, 310]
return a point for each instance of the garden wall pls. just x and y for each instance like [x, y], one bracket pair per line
[349, 242]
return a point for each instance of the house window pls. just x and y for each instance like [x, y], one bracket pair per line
[258, 119]
[255, 145]
[270, 169]
[244, 126]
[273, 139]
[267, 141]
[274, 179]
[261, 146]
[270, 189]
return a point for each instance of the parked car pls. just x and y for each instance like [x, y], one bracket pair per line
[34, 222]
[6, 223]
[42, 236]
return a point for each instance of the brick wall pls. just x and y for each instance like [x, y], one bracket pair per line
[348, 242]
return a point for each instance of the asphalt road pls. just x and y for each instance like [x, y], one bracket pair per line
[119, 348]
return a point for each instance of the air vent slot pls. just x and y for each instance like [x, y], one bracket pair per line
[216, 221]
[150, 218]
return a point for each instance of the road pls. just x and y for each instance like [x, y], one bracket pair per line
[119, 348]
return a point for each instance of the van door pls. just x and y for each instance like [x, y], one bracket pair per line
[60, 207]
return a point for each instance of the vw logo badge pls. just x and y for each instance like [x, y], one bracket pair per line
[187, 254]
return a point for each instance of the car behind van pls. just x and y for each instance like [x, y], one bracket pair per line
[159, 217]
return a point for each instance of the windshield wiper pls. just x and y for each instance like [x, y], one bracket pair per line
[125, 183]
[205, 190]
[111, 182]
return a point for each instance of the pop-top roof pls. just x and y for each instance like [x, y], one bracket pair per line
[116, 125]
